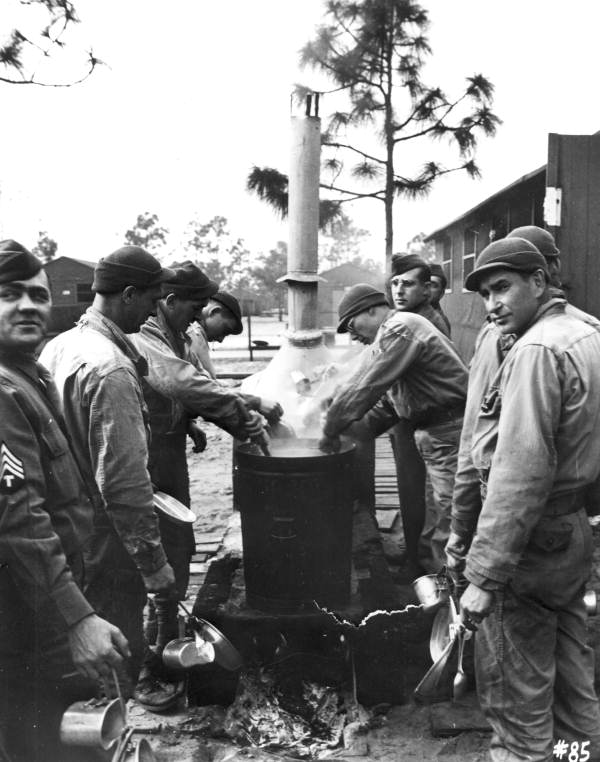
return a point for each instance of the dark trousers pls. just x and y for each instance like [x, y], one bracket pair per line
[37, 681]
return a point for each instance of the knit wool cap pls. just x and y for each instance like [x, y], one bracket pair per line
[358, 299]
[438, 271]
[189, 282]
[128, 266]
[233, 306]
[542, 240]
[16, 262]
[508, 254]
[401, 263]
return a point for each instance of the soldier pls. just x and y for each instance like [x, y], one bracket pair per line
[175, 389]
[414, 373]
[439, 283]
[524, 544]
[46, 624]
[98, 372]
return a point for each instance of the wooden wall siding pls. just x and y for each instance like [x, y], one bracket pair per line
[574, 166]
[65, 274]
[521, 204]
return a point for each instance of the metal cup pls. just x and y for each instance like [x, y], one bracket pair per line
[97, 722]
[431, 590]
[184, 653]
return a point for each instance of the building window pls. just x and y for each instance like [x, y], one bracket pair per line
[469, 253]
[84, 293]
[447, 262]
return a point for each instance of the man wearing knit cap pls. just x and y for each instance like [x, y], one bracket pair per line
[47, 627]
[221, 317]
[524, 545]
[99, 372]
[177, 391]
[414, 373]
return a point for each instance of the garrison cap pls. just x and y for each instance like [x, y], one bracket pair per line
[438, 271]
[128, 266]
[508, 254]
[358, 299]
[401, 263]
[232, 305]
[189, 282]
[542, 240]
[17, 262]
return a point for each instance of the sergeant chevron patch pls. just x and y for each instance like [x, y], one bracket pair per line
[12, 472]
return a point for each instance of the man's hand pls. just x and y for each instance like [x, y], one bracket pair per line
[253, 425]
[329, 444]
[475, 605]
[271, 410]
[97, 646]
[162, 581]
[197, 436]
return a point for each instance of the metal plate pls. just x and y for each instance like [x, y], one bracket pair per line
[226, 655]
[172, 508]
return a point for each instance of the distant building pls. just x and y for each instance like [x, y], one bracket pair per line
[336, 282]
[71, 289]
[564, 197]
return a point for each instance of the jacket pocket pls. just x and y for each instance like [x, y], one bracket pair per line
[551, 537]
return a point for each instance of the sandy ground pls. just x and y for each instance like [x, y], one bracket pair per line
[395, 734]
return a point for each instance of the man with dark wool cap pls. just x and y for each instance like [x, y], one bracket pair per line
[47, 627]
[176, 391]
[524, 542]
[99, 375]
[412, 372]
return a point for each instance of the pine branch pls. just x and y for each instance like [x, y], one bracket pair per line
[356, 150]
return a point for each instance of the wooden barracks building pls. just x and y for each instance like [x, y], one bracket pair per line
[564, 197]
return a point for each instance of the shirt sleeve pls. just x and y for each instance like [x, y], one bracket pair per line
[392, 355]
[522, 468]
[194, 389]
[118, 447]
[29, 546]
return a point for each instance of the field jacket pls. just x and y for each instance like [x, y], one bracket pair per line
[175, 388]
[45, 510]
[98, 371]
[410, 363]
[536, 438]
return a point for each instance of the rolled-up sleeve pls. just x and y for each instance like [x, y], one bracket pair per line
[119, 452]
[29, 546]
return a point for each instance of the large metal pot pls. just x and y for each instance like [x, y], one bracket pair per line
[296, 508]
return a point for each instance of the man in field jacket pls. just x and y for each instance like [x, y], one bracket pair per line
[98, 372]
[526, 544]
[47, 627]
[414, 372]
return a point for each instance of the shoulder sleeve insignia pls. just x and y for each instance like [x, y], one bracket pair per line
[12, 472]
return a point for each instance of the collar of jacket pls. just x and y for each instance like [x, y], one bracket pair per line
[94, 319]
[21, 361]
[159, 326]
[554, 306]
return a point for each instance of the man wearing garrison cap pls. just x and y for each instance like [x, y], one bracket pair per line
[524, 543]
[99, 373]
[411, 289]
[414, 373]
[47, 627]
[176, 391]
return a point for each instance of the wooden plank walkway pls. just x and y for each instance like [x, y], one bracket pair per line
[387, 503]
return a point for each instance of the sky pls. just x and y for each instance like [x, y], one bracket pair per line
[193, 94]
